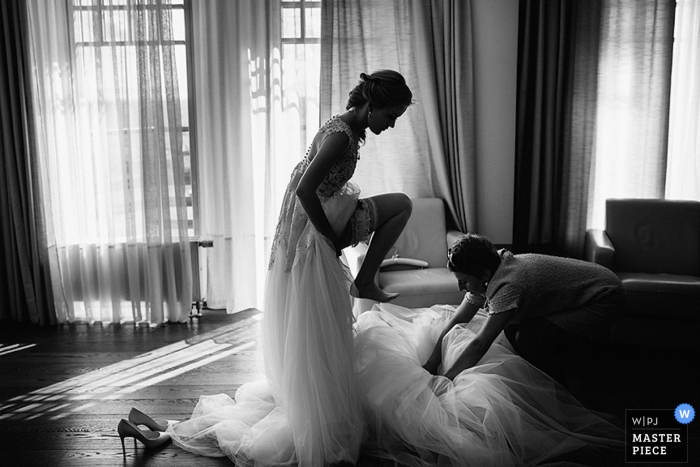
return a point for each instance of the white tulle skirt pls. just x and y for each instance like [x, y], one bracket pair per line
[501, 412]
[307, 412]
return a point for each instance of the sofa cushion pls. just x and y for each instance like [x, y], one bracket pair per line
[655, 235]
[665, 295]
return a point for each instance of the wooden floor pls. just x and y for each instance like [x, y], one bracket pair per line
[64, 389]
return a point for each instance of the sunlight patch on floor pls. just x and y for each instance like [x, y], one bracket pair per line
[6, 349]
[111, 382]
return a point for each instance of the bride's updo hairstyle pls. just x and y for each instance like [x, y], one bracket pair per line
[383, 88]
[471, 254]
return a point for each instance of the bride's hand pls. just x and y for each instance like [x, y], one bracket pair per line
[334, 243]
[338, 248]
[343, 241]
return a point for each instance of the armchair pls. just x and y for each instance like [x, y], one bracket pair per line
[654, 247]
[416, 266]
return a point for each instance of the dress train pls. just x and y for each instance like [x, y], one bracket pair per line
[501, 412]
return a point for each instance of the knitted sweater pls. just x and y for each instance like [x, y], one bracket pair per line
[540, 285]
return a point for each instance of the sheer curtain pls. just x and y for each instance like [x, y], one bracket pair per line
[256, 79]
[430, 152]
[634, 83]
[683, 168]
[108, 122]
[442, 47]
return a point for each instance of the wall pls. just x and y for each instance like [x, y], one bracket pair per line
[495, 63]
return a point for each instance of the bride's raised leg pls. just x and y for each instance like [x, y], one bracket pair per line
[393, 212]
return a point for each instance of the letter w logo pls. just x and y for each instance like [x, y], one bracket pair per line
[684, 413]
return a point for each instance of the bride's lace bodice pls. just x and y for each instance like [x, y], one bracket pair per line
[344, 168]
[293, 220]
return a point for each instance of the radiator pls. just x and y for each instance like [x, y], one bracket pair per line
[199, 274]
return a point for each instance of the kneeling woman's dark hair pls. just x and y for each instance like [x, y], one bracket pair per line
[471, 254]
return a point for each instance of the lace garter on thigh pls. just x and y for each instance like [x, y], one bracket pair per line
[363, 220]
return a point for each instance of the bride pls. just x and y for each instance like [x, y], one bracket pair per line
[308, 412]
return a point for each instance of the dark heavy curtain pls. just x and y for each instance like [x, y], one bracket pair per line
[557, 62]
[592, 114]
[25, 286]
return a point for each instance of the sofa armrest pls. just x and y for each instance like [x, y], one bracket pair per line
[452, 237]
[598, 248]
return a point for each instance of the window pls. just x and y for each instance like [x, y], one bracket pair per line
[103, 32]
[301, 44]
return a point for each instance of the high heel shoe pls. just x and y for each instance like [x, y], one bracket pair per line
[139, 418]
[150, 439]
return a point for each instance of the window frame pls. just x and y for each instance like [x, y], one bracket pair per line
[301, 5]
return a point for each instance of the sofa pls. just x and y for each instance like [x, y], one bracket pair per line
[416, 266]
[653, 245]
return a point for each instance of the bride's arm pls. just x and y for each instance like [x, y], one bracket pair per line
[480, 344]
[332, 148]
[464, 313]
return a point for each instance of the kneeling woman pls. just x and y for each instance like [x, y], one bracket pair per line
[553, 310]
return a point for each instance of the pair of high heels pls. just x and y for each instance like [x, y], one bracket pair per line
[152, 437]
